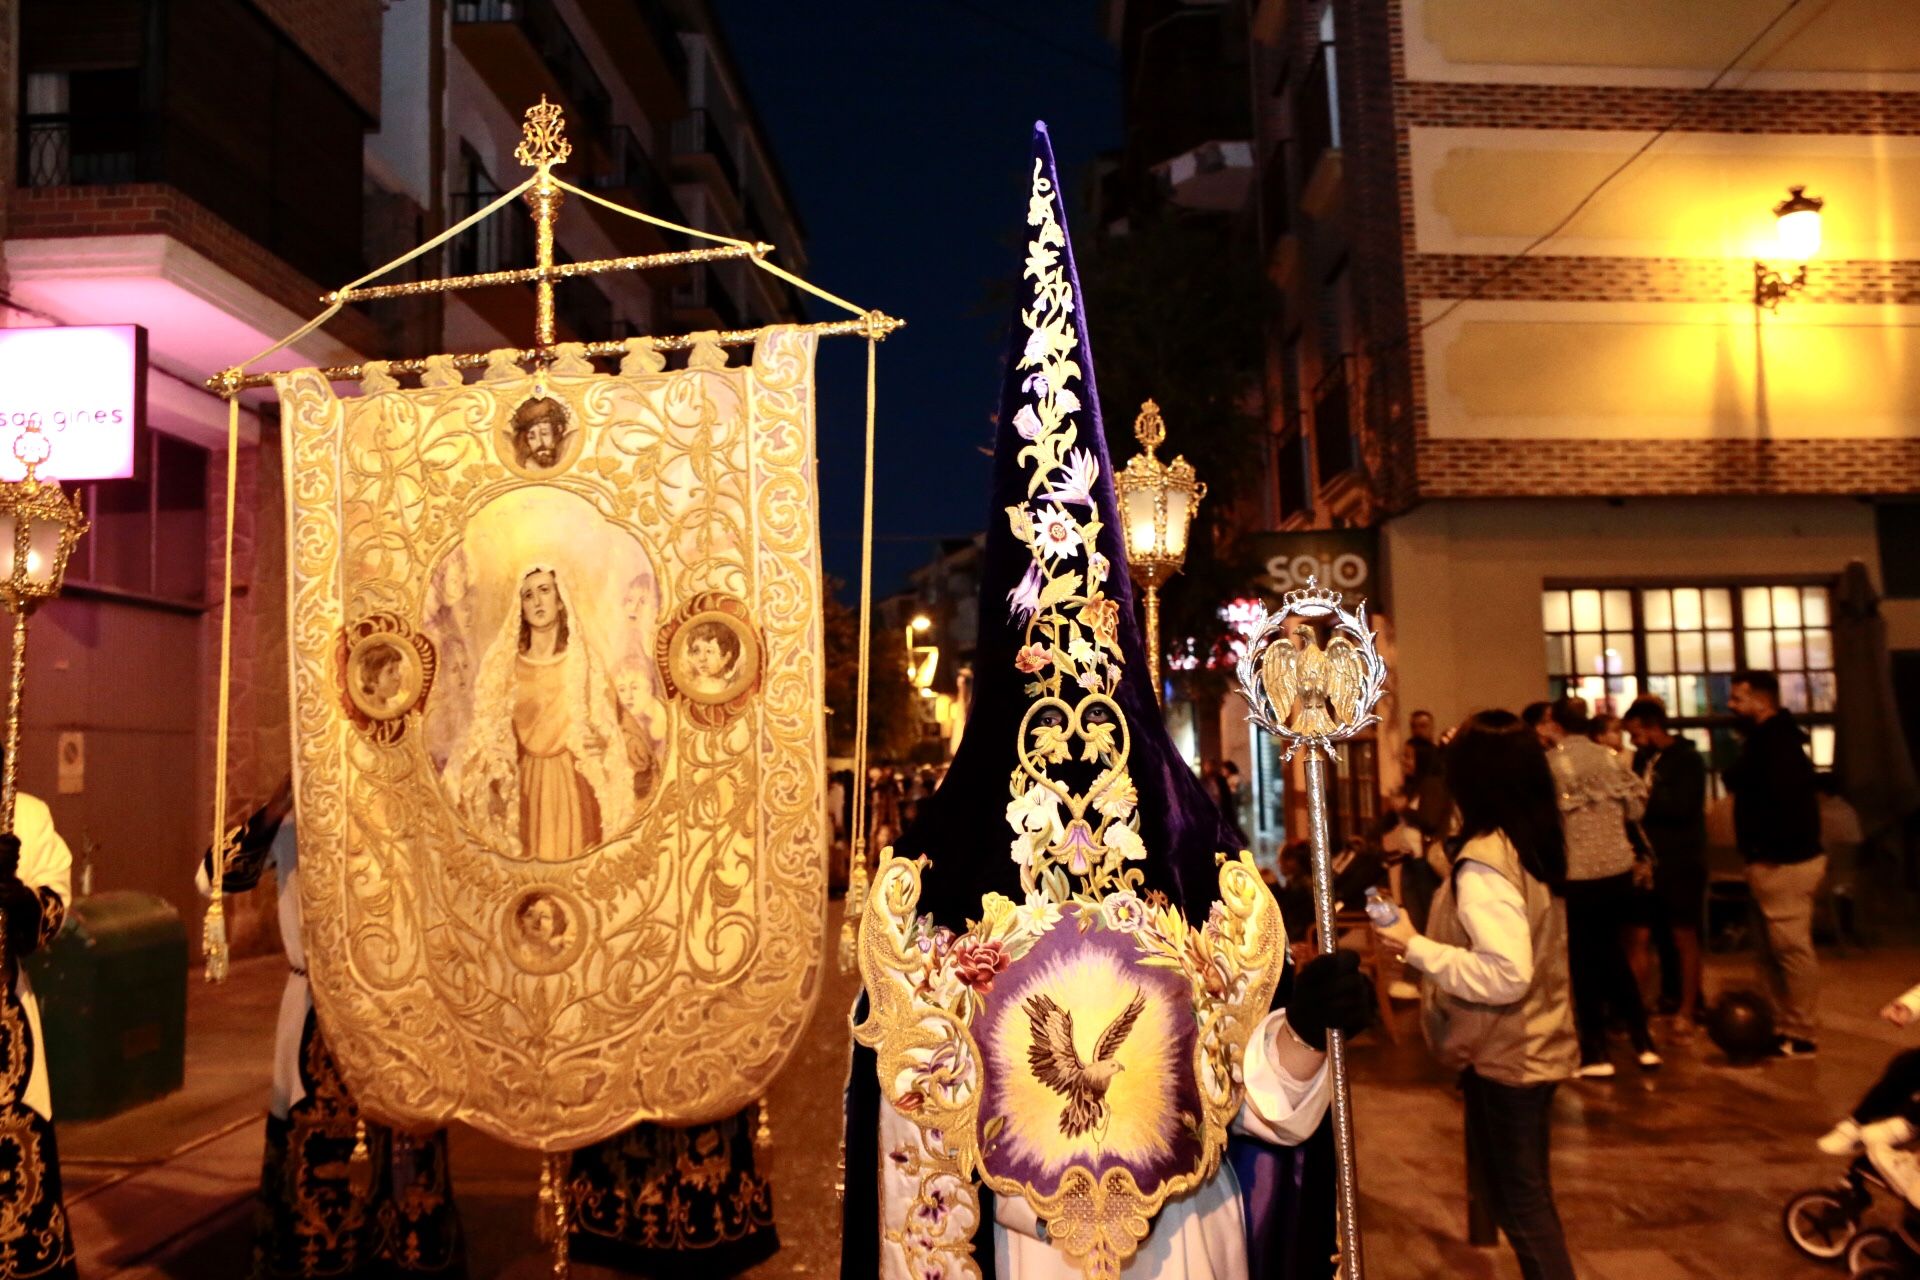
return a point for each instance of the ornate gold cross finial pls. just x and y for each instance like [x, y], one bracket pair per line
[543, 137]
[1149, 428]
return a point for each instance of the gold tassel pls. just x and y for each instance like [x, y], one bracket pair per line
[213, 940]
[360, 1164]
[856, 903]
[543, 1206]
[763, 1136]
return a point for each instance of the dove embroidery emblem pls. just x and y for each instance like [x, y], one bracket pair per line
[1056, 1063]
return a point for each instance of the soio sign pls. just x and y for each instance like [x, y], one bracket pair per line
[85, 387]
[1344, 559]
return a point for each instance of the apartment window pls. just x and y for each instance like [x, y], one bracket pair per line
[150, 532]
[1682, 642]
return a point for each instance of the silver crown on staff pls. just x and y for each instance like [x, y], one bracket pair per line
[1301, 692]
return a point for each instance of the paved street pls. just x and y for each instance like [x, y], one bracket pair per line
[1678, 1176]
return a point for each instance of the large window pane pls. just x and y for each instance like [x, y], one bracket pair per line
[1820, 691]
[1586, 654]
[1555, 611]
[1619, 610]
[1686, 609]
[1819, 650]
[1754, 610]
[1813, 606]
[1720, 651]
[1760, 650]
[1793, 692]
[1789, 649]
[1586, 610]
[1692, 650]
[1659, 653]
[1656, 609]
[1620, 653]
[1717, 604]
[1786, 607]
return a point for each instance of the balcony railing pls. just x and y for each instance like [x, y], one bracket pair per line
[697, 133]
[1333, 445]
[633, 170]
[84, 151]
[554, 41]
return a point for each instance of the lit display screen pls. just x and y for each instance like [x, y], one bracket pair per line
[84, 386]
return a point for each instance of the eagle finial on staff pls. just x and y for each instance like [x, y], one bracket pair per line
[1327, 684]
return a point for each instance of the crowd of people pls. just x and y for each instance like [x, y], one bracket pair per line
[1540, 862]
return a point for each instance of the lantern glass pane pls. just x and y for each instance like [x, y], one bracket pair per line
[1142, 541]
[1179, 513]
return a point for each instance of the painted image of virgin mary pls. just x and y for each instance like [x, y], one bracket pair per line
[552, 764]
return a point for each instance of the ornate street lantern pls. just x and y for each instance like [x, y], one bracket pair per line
[1157, 501]
[41, 524]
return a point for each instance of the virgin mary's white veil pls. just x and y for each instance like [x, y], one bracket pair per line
[488, 760]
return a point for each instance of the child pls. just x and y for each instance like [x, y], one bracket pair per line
[1887, 1113]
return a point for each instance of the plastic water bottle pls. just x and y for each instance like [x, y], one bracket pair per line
[1381, 909]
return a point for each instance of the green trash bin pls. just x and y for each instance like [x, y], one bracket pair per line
[113, 1004]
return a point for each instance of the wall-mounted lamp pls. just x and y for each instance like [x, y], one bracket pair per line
[1797, 226]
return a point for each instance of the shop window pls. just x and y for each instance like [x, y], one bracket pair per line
[1683, 643]
[149, 534]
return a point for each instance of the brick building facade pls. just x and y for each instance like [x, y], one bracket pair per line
[1603, 423]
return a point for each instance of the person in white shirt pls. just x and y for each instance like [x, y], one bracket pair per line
[35, 886]
[1495, 987]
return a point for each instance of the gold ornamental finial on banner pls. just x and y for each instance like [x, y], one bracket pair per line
[543, 137]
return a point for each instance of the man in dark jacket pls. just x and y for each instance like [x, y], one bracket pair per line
[1675, 824]
[1776, 822]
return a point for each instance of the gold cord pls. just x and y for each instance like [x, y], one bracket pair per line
[214, 934]
[857, 835]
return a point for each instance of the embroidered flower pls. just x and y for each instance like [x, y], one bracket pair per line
[1119, 800]
[1037, 813]
[910, 1102]
[1065, 401]
[1075, 483]
[1036, 348]
[976, 963]
[1078, 847]
[1028, 423]
[1035, 383]
[1032, 659]
[1124, 840]
[1059, 535]
[1102, 613]
[1081, 650]
[1036, 915]
[1024, 600]
[1123, 912]
[1098, 567]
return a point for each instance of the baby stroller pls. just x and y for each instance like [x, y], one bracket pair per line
[1826, 1223]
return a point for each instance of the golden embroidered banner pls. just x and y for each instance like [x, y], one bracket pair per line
[557, 689]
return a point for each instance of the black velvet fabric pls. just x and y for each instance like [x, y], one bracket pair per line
[963, 827]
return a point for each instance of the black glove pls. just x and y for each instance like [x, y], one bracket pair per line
[9, 856]
[1330, 992]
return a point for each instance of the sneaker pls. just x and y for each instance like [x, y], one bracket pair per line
[1841, 1140]
[1794, 1047]
[1595, 1071]
[1648, 1060]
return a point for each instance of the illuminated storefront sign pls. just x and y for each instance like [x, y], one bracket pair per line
[85, 386]
[1345, 560]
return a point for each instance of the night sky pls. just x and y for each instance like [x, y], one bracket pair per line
[902, 127]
